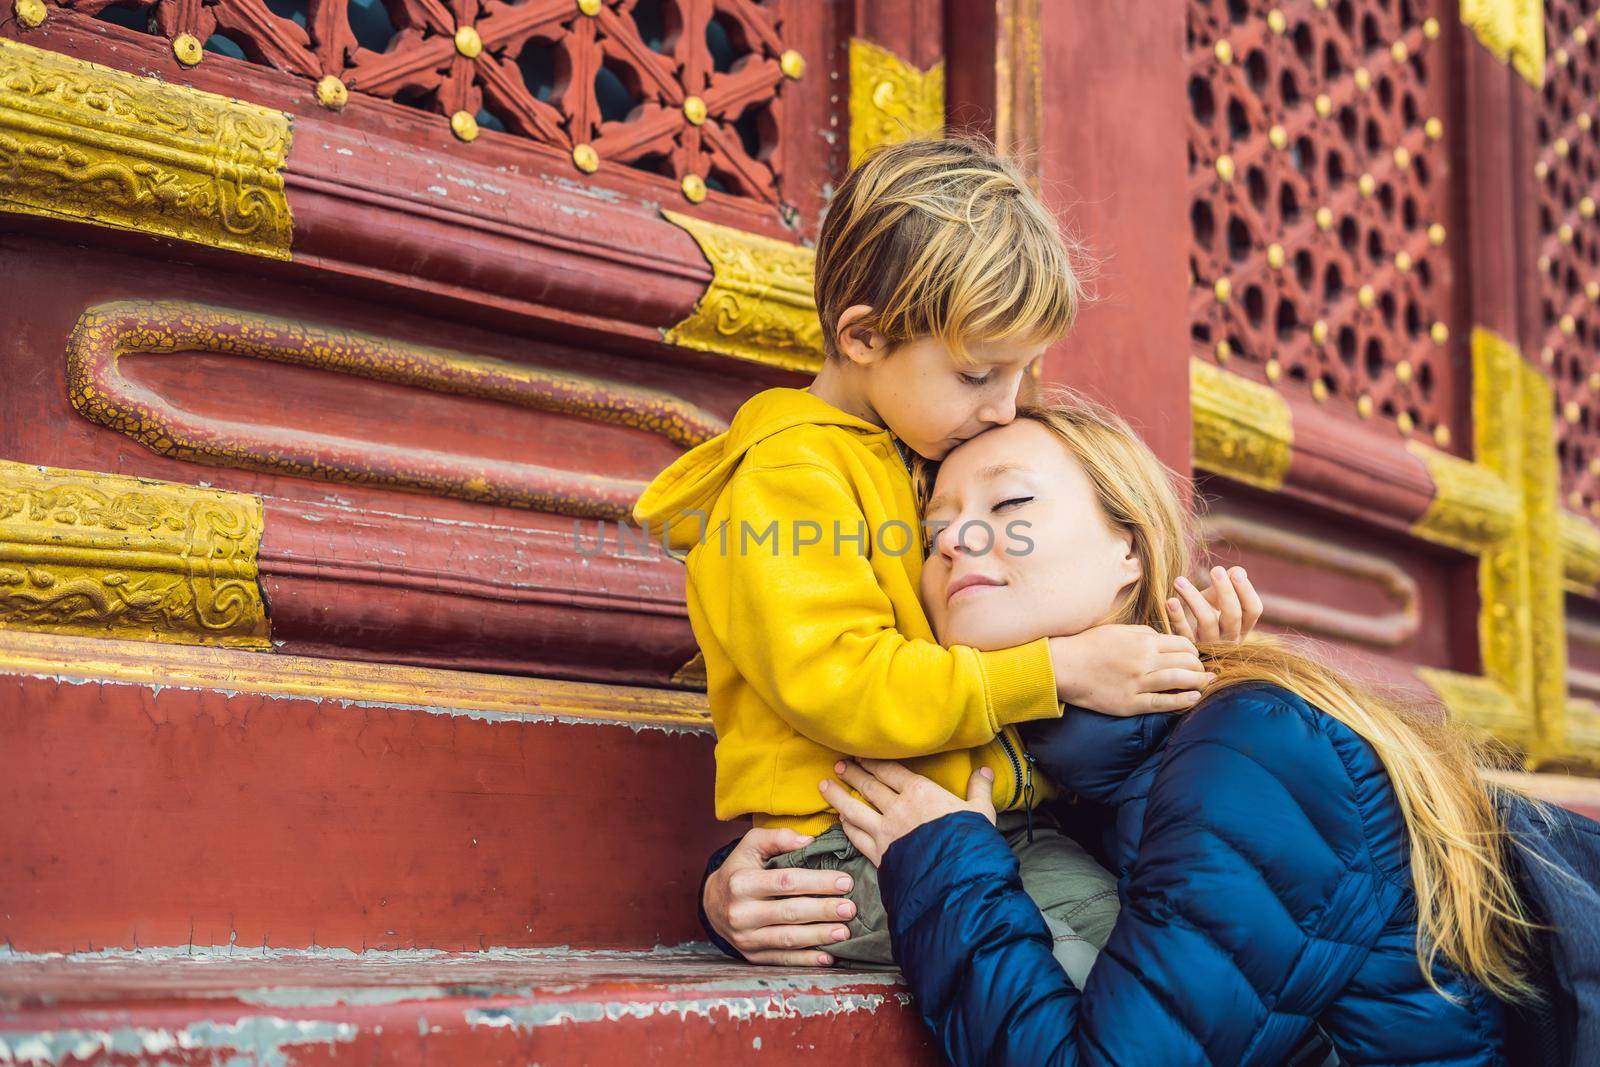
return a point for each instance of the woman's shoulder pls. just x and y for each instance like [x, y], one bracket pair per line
[1269, 721]
[1262, 746]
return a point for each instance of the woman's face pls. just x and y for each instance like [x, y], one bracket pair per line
[1025, 550]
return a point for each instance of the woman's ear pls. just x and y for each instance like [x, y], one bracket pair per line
[858, 342]
[1129, 567]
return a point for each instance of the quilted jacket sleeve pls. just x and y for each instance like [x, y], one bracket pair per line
[1251, 903]
[1088, 753]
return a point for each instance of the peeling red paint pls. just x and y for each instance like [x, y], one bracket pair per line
[568, 1008]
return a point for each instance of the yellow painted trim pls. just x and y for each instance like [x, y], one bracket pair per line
[104, 555]
[1521, 623]
[1513, 30]
[1472, 507]
[891, 100]
[1482, 702]
[99, 146]
[1583, 732]
[693, 673]
[1242, 429]
[1541, 480]
[1580, 553]
[1503, 575]
[138, 663]
[759, 305]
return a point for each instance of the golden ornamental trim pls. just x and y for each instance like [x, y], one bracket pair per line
[1481, 702]
[86, 143]
[759, 305]
[1513, 30]
[692, 674]
[1503, 623]
[1242, 429]
[1541, 481]
[1583, 732]
[1521, 624]
[423, 688]
[104, 555]
[1580, 553]
[890, 99]
[1472, 508]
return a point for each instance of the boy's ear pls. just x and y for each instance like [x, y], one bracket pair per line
[858, 342]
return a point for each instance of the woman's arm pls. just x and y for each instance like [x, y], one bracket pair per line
[1250, 905]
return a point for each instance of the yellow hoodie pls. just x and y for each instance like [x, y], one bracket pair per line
[816, 645]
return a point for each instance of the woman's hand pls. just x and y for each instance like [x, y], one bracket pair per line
[777, 917]
[1226, 612]
[900, 801]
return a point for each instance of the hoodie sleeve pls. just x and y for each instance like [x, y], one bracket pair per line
[814, 634]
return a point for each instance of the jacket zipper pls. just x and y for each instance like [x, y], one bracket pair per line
[1024, 789]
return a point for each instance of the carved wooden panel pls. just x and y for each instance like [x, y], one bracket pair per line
[1319, 192]
[689, 89]
[1563, 183]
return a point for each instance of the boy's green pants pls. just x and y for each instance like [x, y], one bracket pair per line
[1077, 896]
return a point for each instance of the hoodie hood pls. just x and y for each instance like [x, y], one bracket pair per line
[696, 479]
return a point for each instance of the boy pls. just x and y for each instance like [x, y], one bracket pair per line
[940, 279]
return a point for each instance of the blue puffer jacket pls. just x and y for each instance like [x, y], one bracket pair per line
[1265, 887]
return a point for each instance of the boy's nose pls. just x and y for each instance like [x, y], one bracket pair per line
[1000, 412]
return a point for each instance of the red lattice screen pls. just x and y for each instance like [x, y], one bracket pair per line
[1319, 193]
[689, 89]
[1565, 175]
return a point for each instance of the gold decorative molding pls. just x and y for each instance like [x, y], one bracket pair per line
[1541, 482]
[1513, 30]
[759, 305]
[426, 688]
[693, 673]
[891, 100]
[82, 142]
[1580, 553]
[1502, 569]
[1242, 429]
[1482, 702]
[1472, 508]
[1521, 626]
[1583, 732]
[103, 555]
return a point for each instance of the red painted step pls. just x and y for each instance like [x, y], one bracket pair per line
[481, 1008]
[163, 795]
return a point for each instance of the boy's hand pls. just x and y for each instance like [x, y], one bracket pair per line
[1227, 611]
[1128, 670]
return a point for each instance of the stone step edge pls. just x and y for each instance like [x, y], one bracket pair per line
[208, 1006]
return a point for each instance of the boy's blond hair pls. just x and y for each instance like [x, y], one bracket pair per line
[944, 239]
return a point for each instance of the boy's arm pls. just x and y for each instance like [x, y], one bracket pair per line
[814, 633]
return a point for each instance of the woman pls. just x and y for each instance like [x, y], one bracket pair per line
[1296, 852]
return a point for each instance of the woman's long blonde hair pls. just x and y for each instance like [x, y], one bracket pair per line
[1468, 909]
